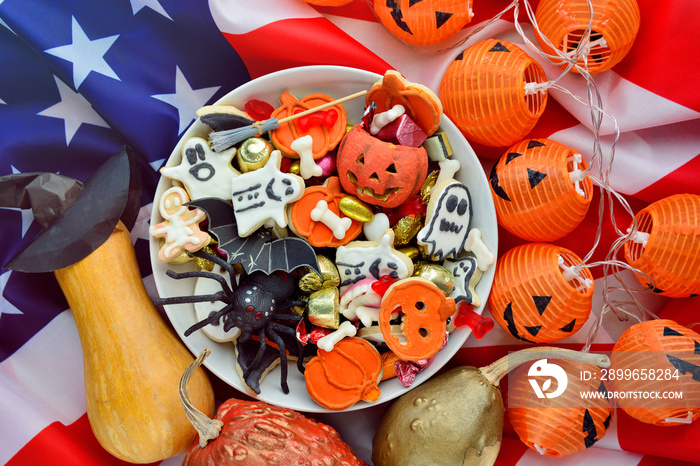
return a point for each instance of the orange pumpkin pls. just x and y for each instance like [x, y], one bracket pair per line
[483, 91]
[671, 255]
[316, 232]
[564, 424]
[423, 22]
[614, 27]
[533, 300]
[533, 193]
[339, 378]
[379, 172]
[325, 138]
[658, 356]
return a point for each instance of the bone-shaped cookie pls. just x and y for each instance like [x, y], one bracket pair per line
[346, 329]
[474, 244]
[339, 226]
[307, 166]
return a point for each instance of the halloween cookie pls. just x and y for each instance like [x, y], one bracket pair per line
[202, 310]
[180, 229]
[317, 216]
[421, 104]
[203, 172]
[378, 172]
[349, 373]
[326, 127]
[263, 194]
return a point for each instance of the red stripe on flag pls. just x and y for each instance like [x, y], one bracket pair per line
[299, 42]
[677, 442]
[664, 46]
[648, 460]
[684, 179]
[512, 449]
[59, 445]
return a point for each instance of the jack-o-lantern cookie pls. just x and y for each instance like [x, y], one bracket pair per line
[422, 105]
[378, 172]
[317, 216]
[326, 127]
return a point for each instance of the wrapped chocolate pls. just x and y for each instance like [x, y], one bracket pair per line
[323, 308]
[438, 147]
[406, 229]
[403, 131]
[355, 209]
[311, 281]
[437, 274]
[253, 154]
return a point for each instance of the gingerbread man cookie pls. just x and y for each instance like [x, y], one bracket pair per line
[181, 226]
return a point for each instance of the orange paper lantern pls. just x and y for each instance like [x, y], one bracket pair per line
[658, 357]
[613, 29]
[533, 191]
[563, 424]
[424, 22]
[536, 296]
[667, 245]
[483, 91]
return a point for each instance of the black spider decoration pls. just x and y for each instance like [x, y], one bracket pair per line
[253, 306]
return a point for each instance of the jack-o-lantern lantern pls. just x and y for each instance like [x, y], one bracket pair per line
[614, 27]
[667, 245]
[658, 356]
[490, 92]
[537, 296]
[380, 173]
[564, 424]
[537, 192]
[423, 22]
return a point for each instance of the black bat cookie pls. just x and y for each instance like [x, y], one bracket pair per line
[257, 251]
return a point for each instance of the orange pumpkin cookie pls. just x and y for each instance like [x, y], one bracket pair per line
[326, 127]
[425, 316]
[422, 105]
[349, 373]
[317, 216]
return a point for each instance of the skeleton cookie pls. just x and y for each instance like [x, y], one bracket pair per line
[371, 259]
[263, 194]
[181, 226]
[204, 173]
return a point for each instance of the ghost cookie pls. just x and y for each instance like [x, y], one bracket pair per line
[448, 215]
[359, 260]
[263, 195]
[180, 227]
[203, 172]
[467, 275]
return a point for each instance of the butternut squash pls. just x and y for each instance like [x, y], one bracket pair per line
[133, 362]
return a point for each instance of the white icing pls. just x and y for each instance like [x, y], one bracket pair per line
[382, 119]
[339, 226]
[447, 224]
[363, 259]
[303, 146]
[328, 342]
[181, 225]
[204, 172]
[263, 194]
[375, 228]
[475, 245]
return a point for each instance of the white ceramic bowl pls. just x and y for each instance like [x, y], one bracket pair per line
[336, 82]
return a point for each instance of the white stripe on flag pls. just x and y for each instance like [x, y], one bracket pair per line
[41, 383]
[237, 17]
[599, 456]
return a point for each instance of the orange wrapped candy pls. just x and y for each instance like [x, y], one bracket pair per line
[667, 245]
[537, 297]
[658, 356]
[490, 91]
[614, 27]
[538, 190]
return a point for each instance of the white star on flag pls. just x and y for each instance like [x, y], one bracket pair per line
[74, 110]
[3, 102]
[6, 307]
[138, 5]
[85, 54]
[186, 100]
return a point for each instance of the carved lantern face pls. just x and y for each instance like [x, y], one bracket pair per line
[378, 172]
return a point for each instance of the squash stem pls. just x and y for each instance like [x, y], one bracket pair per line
[495, 372]
[208, 429]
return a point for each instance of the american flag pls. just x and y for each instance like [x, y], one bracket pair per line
[81, 78]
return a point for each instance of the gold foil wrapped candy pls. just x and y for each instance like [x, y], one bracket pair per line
[437, 274]
[323, 308]
[253, 154]
[355, 209]
[406, 229]
[310, 281]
